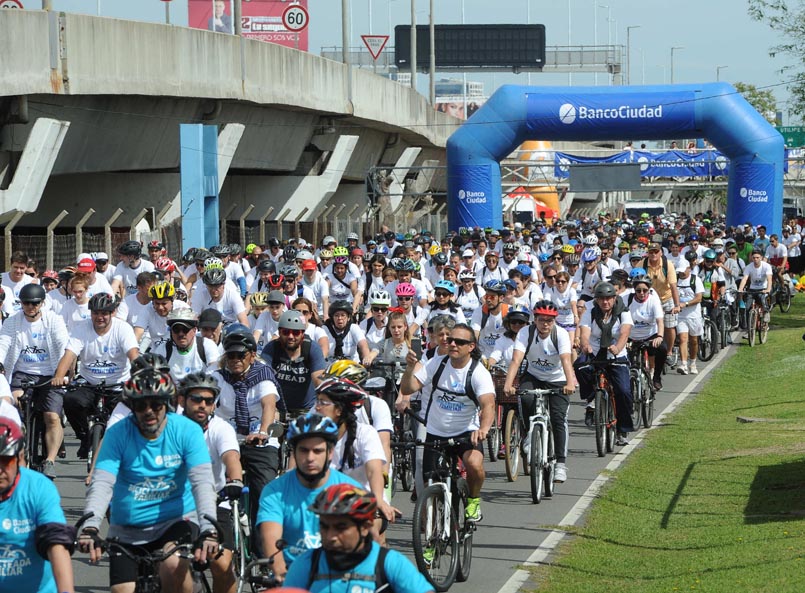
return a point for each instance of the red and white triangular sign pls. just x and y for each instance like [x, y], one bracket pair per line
[375, 43]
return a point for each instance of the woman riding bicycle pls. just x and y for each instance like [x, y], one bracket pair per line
[647, 313]
[545, 347]
[516, 319]
[347, 340]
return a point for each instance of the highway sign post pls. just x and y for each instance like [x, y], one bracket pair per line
[794, 135]
[375, 45]
[295, 18]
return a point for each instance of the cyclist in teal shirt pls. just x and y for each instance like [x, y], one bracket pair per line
[35, 542]
[284, 512]
[348, 560]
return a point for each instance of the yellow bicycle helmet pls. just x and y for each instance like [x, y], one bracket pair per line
[568, 249]
[162, 290]
[326, 254]
[347, 369]
[259, 299]
[340, 252]
[434, 249]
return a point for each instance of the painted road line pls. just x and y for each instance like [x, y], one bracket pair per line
[575, 514]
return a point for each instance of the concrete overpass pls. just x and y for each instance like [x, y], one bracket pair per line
[101, 101]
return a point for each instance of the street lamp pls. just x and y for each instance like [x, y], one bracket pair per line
[718, 72]
[673, 49]
[629, 52]
[595, 30]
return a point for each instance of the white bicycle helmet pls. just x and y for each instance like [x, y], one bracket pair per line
[590, 240]
[466, 274]
[380, 298]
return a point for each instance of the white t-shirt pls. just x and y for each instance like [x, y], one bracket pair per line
[757, 275]
[156, 326]
[234, 271]
[452, 412]
[73, 313]
[647, 316]
[101, 285]
[9, 411]
[490, 332]
[265, 323]
[220, 438]
[595, 330]
[381, 415]
[230, 305]
[15, 288]
[350, 343]
[56, 298]
[778, 252]
[374, 335]
[254, 396]
[340, 290]
[103, 358]
[791, 239]
[182, 364]
[34, 356]
[562, 301]
[502, 352]
[320, 291]
[469, 301]
[586, 281]
[367, 447]
[688, 289]
[543, 360]
[128, 276]
[135, 308]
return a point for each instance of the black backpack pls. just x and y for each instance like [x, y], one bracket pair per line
[379, 578]
[468, 390]
[532, 330]
[199, 348]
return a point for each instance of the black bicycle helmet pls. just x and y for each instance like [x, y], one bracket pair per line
[691, 255]
[220, 250]
[336, 306]
[604, 290]
[273, 242]
[440, 259]
[345, 500]
[199, 380]
[201, 256]
[266, 266]
[150, 362]
[103, 302]
[289, 253]
[235, 249]
[239, 339]
[130, 248]
[151, 384]
[32, 293]
[312, 424]
[214, 276]
[289, 271]
[189, 256]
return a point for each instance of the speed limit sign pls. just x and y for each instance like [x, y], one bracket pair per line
[10, 4]
[295, 18]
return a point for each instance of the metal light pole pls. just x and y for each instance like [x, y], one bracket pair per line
[718, 72]
[528, 22]
[596, 6]
[464, 74]
[629, 52]
[432, 33]
[673, 49]
[413, 44]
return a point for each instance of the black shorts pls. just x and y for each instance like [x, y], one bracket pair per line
[430, 457]
[124, 570]
[224, 517]
[46, 398]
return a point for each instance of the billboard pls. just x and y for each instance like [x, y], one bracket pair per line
[455, 106]
[261, 20]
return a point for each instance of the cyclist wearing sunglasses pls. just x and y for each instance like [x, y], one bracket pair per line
[458, 400]
[186, 350]
[161, 482]
[647, 314]
[197, 395]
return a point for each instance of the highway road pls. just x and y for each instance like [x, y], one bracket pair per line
[512, 527]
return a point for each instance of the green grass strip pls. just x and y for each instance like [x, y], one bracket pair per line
[708, 503]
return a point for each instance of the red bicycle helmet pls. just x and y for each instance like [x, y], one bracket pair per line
[545, 307]
[11, 438]
[165, 264]
[345, 499]
[343, 392]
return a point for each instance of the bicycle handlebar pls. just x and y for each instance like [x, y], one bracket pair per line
[539, 392]
[415, 416]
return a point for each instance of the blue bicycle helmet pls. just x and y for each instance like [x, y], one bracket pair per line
[518, 312]
[495, 286]
[544, 257]
[710, 254]
[636, 272]
[524, 270]
[590, 254]
[312, 425]
[446, 285]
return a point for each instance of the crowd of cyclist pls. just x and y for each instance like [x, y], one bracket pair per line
[245, 349]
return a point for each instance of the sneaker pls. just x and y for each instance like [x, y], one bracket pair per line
[83, 451]
[589, 415]
[49, 469]
[693, 369]
[427, 555]
[621, 441]
[473, 511]
[413, 495]
[657, 383]
[502, 451]
[560, 473]
[682, 369]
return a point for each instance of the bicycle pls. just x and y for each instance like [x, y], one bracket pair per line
[781, 293]
[148, 580]
[756, 322]
[249, 570]
[542, 453]
[33, 422]
[604, 418]
[724, 322]
[643, 393]
[507, 410]
[710, 338]
[106, 398]
[442, 535]
[402, 459]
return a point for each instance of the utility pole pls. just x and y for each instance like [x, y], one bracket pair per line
[629, 52]
[432, 33]
[413, 44]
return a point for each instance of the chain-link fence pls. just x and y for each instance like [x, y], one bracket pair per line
[64, 247]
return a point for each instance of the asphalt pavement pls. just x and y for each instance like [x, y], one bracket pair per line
[512, 527]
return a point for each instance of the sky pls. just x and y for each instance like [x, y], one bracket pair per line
[713, 33]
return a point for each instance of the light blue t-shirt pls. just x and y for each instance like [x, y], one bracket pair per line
[286, 501]
[34, 502]
[402, 576]
[152, 484]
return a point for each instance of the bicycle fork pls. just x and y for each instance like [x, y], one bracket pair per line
[542, 421]
[448, 510]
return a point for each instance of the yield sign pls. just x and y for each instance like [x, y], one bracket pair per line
[375, 43]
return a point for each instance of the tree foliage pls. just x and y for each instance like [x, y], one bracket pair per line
[761, 99]
[788, 19]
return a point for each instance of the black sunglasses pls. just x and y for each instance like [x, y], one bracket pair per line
[458, 341]
[379, 309]
[443, 294]
[199, 399]
[551, 277]
[143, 404]
[236, 355]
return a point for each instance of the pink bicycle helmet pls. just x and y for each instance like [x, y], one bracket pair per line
[406, 289]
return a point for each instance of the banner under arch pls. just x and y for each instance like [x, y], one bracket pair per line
[715, 111]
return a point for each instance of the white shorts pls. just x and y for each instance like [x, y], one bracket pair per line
[692, 325]
[670, 320]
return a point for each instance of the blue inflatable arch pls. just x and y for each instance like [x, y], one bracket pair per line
[715, 111]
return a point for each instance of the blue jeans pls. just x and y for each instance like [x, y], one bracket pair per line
[618, 377]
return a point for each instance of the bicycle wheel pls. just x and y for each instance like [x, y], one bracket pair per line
[405, 469]
[36, 454]
[638, 395]
[708, 341]
[599, 419]
[647, 405]
[723, 329]
[511, 443]
[465, 529]
[493, 440]
[549, 470]
[751, 324]
[240, 550]
[535, 460]
[95, 436]
[763, 329]
[609, 404]
[430, 539]
[784, 299]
